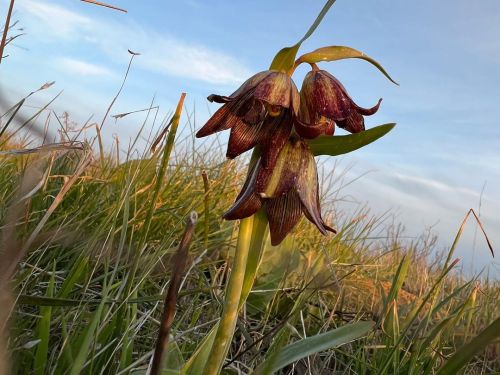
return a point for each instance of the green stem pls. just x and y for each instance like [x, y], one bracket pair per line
[227, 323]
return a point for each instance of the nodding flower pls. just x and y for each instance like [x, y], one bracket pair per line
[286, 190]
[259, 113]
[324, 102]
[268, 112]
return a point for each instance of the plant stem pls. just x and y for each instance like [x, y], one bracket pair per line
[232, 298]
[6, 29]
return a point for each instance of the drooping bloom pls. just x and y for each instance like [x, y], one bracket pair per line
[324, 102]
[285, 190]
[260, 112]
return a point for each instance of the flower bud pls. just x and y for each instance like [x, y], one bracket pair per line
[325, 101]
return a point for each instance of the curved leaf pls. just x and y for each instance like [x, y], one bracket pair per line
[333, 53]
[314, 344]
[342, 144]
[285, 58]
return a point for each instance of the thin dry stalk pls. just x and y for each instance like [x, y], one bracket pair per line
[460, 231]
[206, 186]
[84, 163]
[99, 128]
[62, 146]
[178, 266]
[104, 5]
[6, 29]
[162, 134]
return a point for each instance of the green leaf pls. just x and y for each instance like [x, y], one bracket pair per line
[85, 341]
[333, 53]
[199, 358]
[43, 329]
[397, 283]
[315, 344]
[342, 144]
[468, 351]
[285, 58]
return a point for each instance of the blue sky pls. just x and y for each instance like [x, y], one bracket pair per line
[446, 55]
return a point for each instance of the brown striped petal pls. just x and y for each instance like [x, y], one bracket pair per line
[248, 202]
[256, 113]
[279, 178]
[283, 214]
[243, 137]
[367, 111]
[278, 132]
[308, 191]
[222, 119]
[355, 123]
[250, 83]
[324, 94]
[326, 126]
[295, 98]
[275, 89]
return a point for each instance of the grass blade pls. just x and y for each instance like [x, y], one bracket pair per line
[43, 330]
[468, 351]
[315, 344]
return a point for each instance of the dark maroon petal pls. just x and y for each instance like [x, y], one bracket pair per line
[329, 127]
[324, 95]
[221, 120]
[250, 83]
[248, 202]
[275, 89]
[355, 123]
[255, 114]
[312, 131]
[324, 225]
[219, 99]
[278, 130]
[243, 137]
[283, 214]
[367, 111]
[308, 191]
[295, 98]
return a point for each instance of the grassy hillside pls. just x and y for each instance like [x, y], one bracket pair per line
[95, 233]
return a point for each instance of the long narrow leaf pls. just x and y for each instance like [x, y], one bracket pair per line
[468, 351]
[285, 58]
[343, 144]
[315, 344]
[333, 53]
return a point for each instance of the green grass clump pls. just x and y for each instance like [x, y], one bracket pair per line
[88, 292]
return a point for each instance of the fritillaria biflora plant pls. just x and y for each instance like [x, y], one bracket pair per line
[285, 129]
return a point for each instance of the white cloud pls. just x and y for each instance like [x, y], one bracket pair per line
[192, 61]
[58, 21]
[435, 184]
[82, 67]
[161, 53]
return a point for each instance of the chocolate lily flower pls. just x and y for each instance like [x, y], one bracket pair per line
[258, 113]
[286, 190]
[324, 101]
